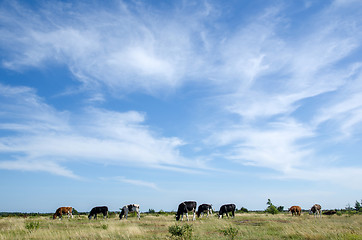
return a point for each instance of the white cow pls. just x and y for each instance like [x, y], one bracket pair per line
[316, 210]
[130, 208]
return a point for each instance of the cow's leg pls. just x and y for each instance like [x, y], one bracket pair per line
[138, 215]
[194, 217]
[233, 213]
[126, 213]
[95, 216]
[187, 216]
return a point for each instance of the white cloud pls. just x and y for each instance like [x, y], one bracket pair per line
[36, 166]
[39, 132]
[124, 49]
[135, 182]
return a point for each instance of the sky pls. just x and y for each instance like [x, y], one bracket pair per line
[158, 102]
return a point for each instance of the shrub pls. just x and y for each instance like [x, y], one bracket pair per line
[244, 210]
[105, 226]
[184, 232]
[32, 226]
[271, 208]
[230, 232]
[151, 211]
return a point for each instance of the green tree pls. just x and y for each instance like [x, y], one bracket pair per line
[280, 208]
[271, 208]
[357, 206]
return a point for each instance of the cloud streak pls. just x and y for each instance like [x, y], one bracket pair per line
[42, 138]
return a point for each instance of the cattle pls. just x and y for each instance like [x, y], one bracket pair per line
[204, 208]
[184, 208]
[295, 210]
[226, 208]
[63, 210]
[96, 210]
[330, 212]
[129, 208]
[316, 210]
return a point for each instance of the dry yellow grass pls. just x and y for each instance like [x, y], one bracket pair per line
[248, 226]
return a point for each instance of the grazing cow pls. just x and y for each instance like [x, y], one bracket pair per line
[316, 210]
[96, 210]
[227, 208]
[63, 210]
[129, 208]
[184, 208]
[330, 212]
[295, 210]
[204, 208]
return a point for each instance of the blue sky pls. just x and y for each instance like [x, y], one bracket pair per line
[157, 102]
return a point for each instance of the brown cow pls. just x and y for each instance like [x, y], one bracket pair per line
[63, 210]
[295, 210]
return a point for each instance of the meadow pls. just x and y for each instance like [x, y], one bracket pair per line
[164, 226]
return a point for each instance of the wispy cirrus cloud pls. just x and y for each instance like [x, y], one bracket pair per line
[42, 139]
[126, 48]
[135, 182]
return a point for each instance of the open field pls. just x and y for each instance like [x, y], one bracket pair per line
[244, 226]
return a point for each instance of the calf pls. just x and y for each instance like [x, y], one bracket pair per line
[184, 208]
[227, 208]
[204, 208]
[316, 210]
[96, 210]
[63, 210]
[295, 210]
[129, 208]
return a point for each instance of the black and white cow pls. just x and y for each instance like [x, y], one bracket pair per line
[204, 208]
[227, 208]
[184, 208]
[96, 210]
[130, 208]
[316, 210]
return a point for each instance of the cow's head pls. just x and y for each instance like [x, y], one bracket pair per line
[177, 217]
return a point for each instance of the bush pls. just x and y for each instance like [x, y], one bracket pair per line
[184, 232]
[230, 232]
[244, 210]
[271, 208]
[32, 226]
[151, 211]
[105, 226]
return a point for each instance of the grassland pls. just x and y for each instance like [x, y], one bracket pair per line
[243, 226]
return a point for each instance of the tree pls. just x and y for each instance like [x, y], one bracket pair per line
[280, 208]
[357, 206]
[271, 208]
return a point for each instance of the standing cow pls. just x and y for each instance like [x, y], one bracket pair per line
[204, 208]
[63, 210]
[129, 208]
[316, 210]
[227, 208]
[295, 210]
[184, 208]
[97, 210]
